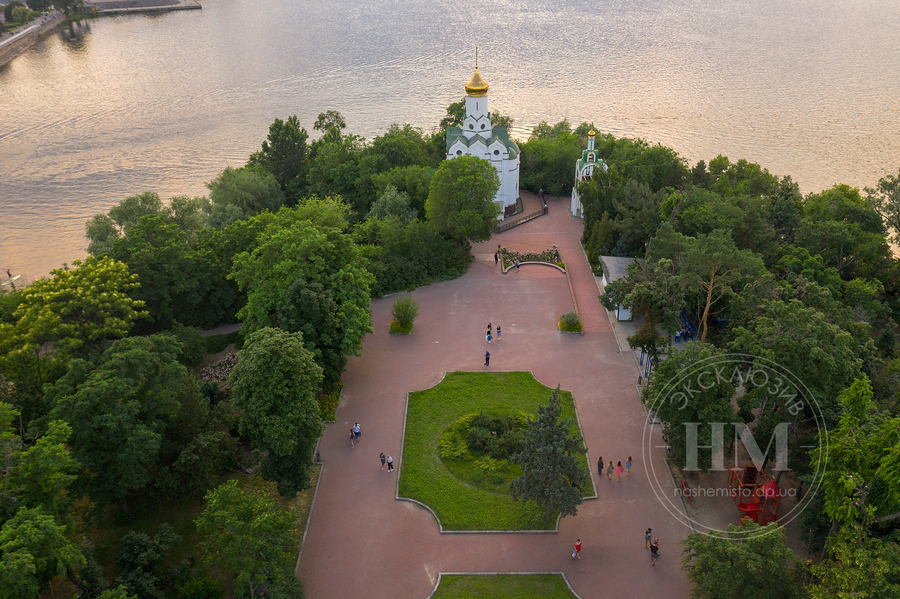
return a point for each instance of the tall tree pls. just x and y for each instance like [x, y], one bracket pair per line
[33, 549]
[860, 567]
[461, 200]
[247, 534]
[274, 383]
[885, 197]
[285, 155]
[552, 475]
[740, 562]
[238, 194]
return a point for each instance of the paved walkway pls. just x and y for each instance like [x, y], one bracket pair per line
[362, 542]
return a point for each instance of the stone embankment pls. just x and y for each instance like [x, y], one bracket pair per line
[11, 45]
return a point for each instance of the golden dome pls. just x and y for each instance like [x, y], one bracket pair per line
[592, 133]
[476, 87]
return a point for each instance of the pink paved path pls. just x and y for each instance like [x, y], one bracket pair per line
[363, 543]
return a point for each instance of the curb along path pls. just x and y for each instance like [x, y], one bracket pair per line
[362, 542]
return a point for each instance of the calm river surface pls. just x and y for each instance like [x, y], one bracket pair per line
[809, 88]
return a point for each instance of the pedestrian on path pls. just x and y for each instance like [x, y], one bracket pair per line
[356, 431]
[382, 460]
[619, 472]
[390, 462]
[600, 466]
[654, 551]
[647, 538]
[576, 553]
[352, 436]
[498, 332]
[488, 336]
[490, 327]
[487, 358]
[628, 466]
[517, 265]
[609, 470]
[496, 258]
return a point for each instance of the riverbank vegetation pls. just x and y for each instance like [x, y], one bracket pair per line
[105, 410]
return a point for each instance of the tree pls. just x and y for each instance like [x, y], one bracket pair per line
[552, 475]
[247, 534]
[743, 561]
[119, 410]
[307, 243]
[34, 549]
[76, 311]
[274, 383]
[393, 204]
[45, 471]
[885, 197]
[285, 153]
[862, 458]
[405, 311]
[860, 567]
[238, 194]
[141, 561]
[461, 200]
[331, 124]
[710, 264]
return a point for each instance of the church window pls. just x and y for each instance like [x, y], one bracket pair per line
[482, 125]
[471, 126]
[496, 152]
[459, 152]
[590, 157]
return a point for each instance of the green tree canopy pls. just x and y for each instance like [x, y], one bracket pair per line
[552, 475]
[238, 194]
[274, 384]
[461, 200]
[247, 534]
[740, 562]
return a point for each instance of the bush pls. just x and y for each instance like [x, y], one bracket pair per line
[200, 588]
[397, 329]
[328, 401]
[570, 323]
[192, 344]
[405, 311]
[217, 343]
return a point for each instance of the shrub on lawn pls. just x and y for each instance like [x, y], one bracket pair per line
[405, 311]
[570, 323]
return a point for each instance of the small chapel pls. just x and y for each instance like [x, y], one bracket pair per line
[478, 137]
[584, 169]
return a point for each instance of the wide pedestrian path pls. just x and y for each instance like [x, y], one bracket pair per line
[362, 542]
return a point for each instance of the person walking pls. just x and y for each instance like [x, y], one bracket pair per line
[488, 336]
[352, 436]
[609, 471]
[356, 431]
[600, 466]
[628, 466]
[496, 258]
[576, 554]
[382, 460]
[498, 333]
[517, 265]
[487, 358]
[390, 463]
[654, 551]
[619, 472]
[647, 538]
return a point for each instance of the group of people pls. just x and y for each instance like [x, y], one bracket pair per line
[617, 469]
[652, 545]
[355, 433]
[488, 337]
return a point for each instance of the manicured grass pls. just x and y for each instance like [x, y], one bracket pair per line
[504, 586]
[424, 477]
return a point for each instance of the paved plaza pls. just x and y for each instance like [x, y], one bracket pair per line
[363, 542]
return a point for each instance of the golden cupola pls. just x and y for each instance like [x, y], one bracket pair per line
[476, 87]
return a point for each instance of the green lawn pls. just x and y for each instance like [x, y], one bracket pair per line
[424, 477]
[504, 586]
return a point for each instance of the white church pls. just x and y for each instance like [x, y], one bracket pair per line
[584, 169]
[478, 137]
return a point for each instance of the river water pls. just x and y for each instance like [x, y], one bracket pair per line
[809, 88]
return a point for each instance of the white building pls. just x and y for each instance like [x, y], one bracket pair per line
[478, 137]
[584, 169]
